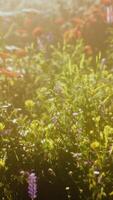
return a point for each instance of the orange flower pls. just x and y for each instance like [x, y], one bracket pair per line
[4, 55]
[106, 2]
[88, 50]
[9, 73]
[37, 31]
[20, 53]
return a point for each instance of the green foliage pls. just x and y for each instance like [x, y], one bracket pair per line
[58, 120]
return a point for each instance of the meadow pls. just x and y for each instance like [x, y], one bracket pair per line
[56, 103]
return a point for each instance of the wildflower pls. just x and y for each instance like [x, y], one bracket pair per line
[9, 73]
[96, 172]
[108, 10]
[4, 55]
[95, 145]
[106, 2]
[20, 53]
[32, 186]
[67, 188]
[11, 48]
[70, 173]
[75, 114]
[37, 31]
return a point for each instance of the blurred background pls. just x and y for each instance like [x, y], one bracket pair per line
[10, 5]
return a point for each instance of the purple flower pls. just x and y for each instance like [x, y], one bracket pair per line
[32, 186]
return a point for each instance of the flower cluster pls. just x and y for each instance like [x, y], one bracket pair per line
[32, 186]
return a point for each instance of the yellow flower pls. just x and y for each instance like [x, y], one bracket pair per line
[95, 145]
[2, 163]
